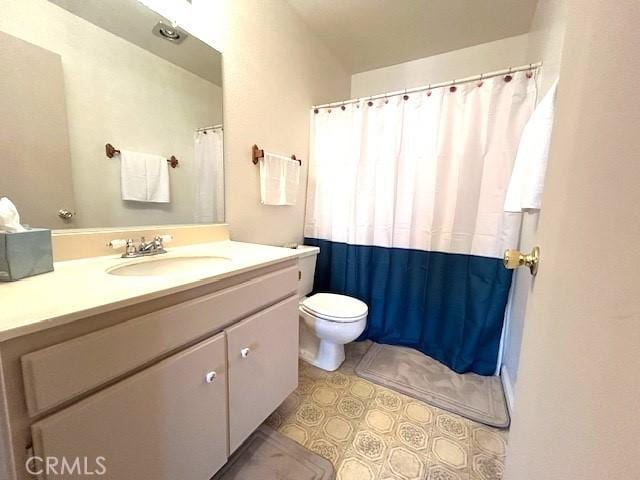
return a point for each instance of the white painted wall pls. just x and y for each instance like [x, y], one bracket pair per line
[486, 57]
[545, 42]
[119, 93]
[275, 69]
[576, 413]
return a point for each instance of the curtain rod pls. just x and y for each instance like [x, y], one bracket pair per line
[505, 71]
[213, 127]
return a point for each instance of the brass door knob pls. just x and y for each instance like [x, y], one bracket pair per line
[65, 214]
[515, 258]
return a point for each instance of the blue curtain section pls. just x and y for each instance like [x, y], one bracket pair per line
[448, 306]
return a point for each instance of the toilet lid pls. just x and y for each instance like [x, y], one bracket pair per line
[337, 308]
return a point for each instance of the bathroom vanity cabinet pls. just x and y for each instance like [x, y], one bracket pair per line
[161, 390]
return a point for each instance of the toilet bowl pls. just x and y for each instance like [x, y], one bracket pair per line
[329, 321]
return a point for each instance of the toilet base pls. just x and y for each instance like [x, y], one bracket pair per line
[329, 356]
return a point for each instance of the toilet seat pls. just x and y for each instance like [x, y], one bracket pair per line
[335, 308]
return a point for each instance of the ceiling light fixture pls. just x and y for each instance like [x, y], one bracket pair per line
[170, 33]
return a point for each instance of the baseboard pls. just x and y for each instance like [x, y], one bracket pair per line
[507, 386]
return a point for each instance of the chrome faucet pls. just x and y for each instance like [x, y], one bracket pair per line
[144, 248]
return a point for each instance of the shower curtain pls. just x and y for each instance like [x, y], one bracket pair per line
[405, 201]
[209, 176]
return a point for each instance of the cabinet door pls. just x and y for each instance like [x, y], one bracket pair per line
[263, 366]
[167, 422]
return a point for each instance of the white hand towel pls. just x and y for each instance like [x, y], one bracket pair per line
[144, 177]
[527, 179]
[279, 180]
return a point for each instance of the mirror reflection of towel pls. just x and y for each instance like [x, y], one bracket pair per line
[144, 177]
[279, 179]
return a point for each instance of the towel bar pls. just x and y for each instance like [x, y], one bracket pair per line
[110, 150]
[257, 154]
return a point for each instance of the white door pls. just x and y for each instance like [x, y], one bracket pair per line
[35, 159]
[576, 408]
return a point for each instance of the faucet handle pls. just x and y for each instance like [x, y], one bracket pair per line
[128, 245]
[160, 240]
[117, 243]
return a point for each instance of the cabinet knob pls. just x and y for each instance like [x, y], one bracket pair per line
[210, 377]
[245, 352]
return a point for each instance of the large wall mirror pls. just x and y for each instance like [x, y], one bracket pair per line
[78, 75]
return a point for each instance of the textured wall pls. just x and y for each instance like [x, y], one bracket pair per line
[275, 69]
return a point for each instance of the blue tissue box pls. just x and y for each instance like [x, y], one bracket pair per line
[24, 254]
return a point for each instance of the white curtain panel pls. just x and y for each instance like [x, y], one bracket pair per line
[209, 177]
[427, 173]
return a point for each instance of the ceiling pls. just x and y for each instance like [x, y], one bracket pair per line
[133, 22]
[368, 34]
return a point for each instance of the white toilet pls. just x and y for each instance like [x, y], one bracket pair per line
[327, 321]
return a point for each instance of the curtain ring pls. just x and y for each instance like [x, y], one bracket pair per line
[429, 90]
[508, 77]
[370, 102]
[316, 111]
[343, 107]
[481, 82]
[530, 72]
[453, 87]
[405, 96]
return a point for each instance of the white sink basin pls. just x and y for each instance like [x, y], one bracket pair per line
[169, 266]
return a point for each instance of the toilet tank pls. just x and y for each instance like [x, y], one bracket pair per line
[307, 266]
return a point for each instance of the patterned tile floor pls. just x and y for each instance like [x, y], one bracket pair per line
[370, 432]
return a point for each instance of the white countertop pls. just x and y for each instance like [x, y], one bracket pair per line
[80, 288]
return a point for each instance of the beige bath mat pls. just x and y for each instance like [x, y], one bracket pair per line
[410, 372]
[268, 454]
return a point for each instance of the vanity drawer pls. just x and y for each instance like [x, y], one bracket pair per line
[167, 422]
[63, 371]
[263, 366]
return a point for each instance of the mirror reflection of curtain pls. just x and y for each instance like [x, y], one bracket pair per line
[209, 176]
